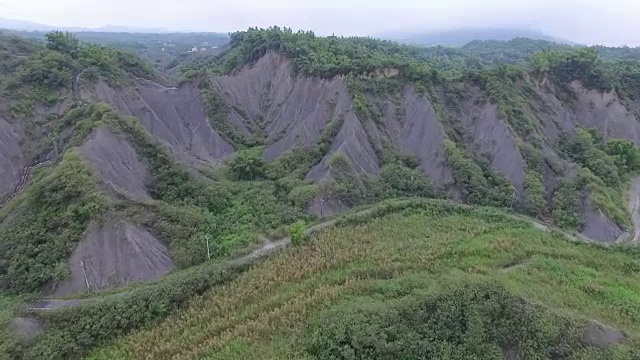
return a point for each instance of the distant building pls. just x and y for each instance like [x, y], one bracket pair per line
[194, 49]
[203, 49]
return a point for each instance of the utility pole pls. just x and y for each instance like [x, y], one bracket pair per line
[208, 250]
[86, 280]
[513, 198]
[322, 198]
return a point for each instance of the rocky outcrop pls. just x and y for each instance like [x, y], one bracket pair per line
[112, 256]
[291, 112]
[353, 142]
[604, 112]
[118, 166]
[176, 117]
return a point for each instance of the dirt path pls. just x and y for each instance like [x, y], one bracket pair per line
[22, 181]
[76, 88]
[156, 84]
[268, 247]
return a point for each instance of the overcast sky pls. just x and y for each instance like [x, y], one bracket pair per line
[611, 22]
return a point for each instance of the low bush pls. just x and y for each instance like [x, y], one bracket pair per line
[479, 321]
[296, 231]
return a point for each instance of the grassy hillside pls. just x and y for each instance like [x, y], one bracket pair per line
[428, 280]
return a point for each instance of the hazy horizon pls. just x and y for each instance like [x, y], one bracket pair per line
[612, 23]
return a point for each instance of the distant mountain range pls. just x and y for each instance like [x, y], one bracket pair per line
[454, 37]
[460, 37]
[25, 25]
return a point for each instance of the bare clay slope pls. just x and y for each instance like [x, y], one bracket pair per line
[117, 165]
[115, 255]
[176, 117]
[598, 226]
[416, 130]
[604, 111]
[291, 111]
[11, 158]
[488, 134]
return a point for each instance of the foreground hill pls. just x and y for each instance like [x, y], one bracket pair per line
[117, 176]
[416, 280]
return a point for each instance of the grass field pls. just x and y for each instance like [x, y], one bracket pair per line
[445, 256]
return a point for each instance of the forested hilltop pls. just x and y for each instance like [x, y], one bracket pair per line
[478, 202]
[539, 104]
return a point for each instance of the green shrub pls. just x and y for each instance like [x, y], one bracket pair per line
[247, 165]
[479, 321]
[536, 204]
[399, 181]
[625, 154]
[478, 182]
[584, 149]
[64, 42]
[302, 195]
[296, 231]
[567, 204]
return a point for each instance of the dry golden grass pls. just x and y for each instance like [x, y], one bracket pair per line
[262, 313]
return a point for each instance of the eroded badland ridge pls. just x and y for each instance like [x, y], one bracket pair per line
[114, 173]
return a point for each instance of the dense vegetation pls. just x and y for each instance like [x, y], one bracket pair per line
[45, 76]
[160, 49]
[449, 277]
[606, 170]
[453, 38]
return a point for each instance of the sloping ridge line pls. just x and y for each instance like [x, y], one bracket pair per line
[268, 247]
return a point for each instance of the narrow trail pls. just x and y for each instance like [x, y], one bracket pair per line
[24, 177]
[156, 84]
[46, 131]
[26, 170]
[267, 248]
[76, 88]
